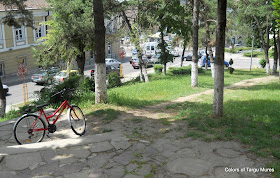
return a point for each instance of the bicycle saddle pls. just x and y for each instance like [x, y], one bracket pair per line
[42, 105]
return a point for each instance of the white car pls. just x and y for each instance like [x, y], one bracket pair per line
[175, 52]
[112, 62]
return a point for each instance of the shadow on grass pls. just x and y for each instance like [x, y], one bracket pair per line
[254, 122]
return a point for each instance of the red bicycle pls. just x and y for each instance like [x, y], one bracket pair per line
[31, 128]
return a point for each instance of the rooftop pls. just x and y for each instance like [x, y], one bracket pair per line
[30, 4]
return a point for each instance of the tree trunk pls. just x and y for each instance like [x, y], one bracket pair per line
[99, 53]
[219, 60]
[163, 50]
[265, 45]
[136, 42]
[2, 100]
[81, 59]
[278, 49]
[206, 59]
[275, 53]
[194, 74]
[183, 54]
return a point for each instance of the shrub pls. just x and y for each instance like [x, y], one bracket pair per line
[248, 54]
[45, 95]
[88, 84]
[262, 62]
[231, 69]
[158, 69]
[183, 70]
[114, 80]
[180, 70]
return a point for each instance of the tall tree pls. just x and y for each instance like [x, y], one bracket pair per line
[209, 12]
[219, 60]
[71, 33]
[172, 18]
[194, 73]
[99, 53]
[258, 13]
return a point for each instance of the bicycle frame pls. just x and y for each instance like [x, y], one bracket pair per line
[64, 105]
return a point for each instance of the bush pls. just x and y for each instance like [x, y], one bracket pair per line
[180, 70]
[158, 69]
[114, 80]
[45, 95]
[88, 84]
[183, 70]
[231, 70]
[248, 54]
[262, 62]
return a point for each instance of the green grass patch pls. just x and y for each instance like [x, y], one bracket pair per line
[107, 115]
[135, 94]
[251, 116]
[259, 54]
[165, 88]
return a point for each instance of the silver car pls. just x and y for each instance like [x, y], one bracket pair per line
[44, 76]
[112, 62]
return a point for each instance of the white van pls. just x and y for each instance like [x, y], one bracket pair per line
[151, 49]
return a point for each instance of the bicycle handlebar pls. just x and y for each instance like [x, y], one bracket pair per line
[62, 91]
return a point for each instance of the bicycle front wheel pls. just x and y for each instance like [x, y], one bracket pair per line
[77, 120]
[29, 129]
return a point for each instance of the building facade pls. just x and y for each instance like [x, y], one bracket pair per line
[16, 43]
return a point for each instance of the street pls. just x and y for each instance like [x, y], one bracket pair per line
[15, 94]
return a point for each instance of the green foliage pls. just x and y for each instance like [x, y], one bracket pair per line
[183, 70]
[257, 40]
[248, 54]
[79, 84]
[71, 32]
[231, 69]
[88, 84]
[262, 62]
[158, 69]
[114, 80]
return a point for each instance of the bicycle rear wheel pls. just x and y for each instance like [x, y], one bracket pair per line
[77, 120]
[29, 129]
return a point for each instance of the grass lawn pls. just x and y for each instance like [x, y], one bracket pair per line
[251, 117]
[165, 88]
[159, 89]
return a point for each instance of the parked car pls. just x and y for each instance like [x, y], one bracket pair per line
[175, 52]
[203, 62]
[5, 88]
[155, 58]
[134, 56]
[188, 56]
[62, 75]
[109, 69]
[112, 62]
[147, 62]
[44, 76]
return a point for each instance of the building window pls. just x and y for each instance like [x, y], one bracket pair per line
[1, 70]
[38, 30]
[22, 60]
[19, 34]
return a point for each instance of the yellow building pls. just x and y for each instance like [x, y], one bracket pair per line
[16, 43]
